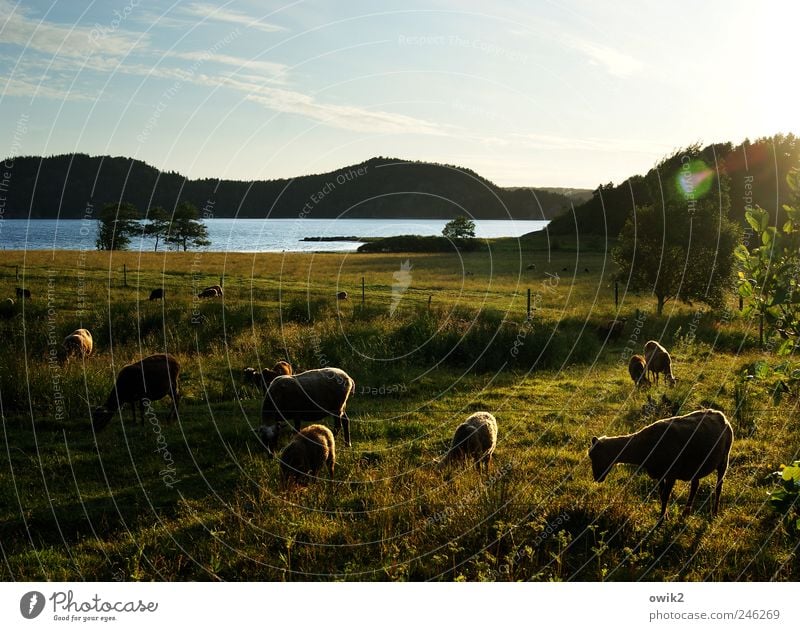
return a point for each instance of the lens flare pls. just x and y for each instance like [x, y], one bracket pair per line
[694, 179]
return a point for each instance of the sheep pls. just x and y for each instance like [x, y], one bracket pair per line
[218, 288]
[307, 396]
[157, 294]
[150, 379]
[685, 447]
[531, 266]
[208, 292]
[342, 295]
[658, 361]
[611, 329]
[637, 368]
[475, 438]
[79, 342]
[266, 376]
[311, 448]
[23, 293]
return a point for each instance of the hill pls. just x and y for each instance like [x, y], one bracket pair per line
[755, 173]
[64, 186]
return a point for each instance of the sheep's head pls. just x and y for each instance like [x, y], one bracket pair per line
[601, 461]
[268, 434]
[282, 368]
[100, 418]
[250, 376]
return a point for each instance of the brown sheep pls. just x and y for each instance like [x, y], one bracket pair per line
[637, 368]
[342, 295]
[208, 292]
[157, 294]
[475, 438]
[685, 447]
[79, 342]
[311, 448]
[611, 330]
[23, 293]
[266, 376]
[658, 361]
[308, 396]
[150, 379]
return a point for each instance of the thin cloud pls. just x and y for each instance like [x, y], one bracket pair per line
[252, 65]
[221, 14]
[613, 61]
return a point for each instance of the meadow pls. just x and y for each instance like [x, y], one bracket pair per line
[436, 337]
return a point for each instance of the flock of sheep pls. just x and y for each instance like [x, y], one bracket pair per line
[687, 447]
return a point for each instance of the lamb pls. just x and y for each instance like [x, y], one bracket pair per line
[23, 293]
[208, 292]
[658, 361]
[307, 396]
[311, 448]
[342, 295]
[685, 447]
[637, 368]
[611, 329]
[79, 342]
[266, 376]
[150, 379]
[157, 294]
[475, 438]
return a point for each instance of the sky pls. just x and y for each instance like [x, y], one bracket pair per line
[567, 94]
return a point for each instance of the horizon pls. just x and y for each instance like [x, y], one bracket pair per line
[556, 96]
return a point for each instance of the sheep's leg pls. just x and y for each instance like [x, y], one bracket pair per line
[665, 490]
[346, 426]
[694, 484]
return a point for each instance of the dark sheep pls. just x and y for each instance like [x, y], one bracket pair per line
[218, 289]
[637, 368]
[266, 376]
[475, 438]
[312, 448]
[611, 329]
[209, 292]
[150, 379]
[687, 447]
[23, 293]
[157, 294]
[308, 396]
[531, 266]
[342, 295]
[658, 362]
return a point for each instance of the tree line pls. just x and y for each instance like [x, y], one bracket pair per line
[119, 223]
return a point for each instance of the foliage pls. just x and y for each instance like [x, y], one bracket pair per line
[785, 499]
[186, 229]
[682, 249]
[118, 222]
[157, 225]
[769, 274]
[459, 228]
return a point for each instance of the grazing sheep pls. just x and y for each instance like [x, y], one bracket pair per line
[308, 396]
[150, 379]
[475, 438]
[342, 295]
[563, 269]
[611, 329]
[23, 293]
[586, 270]
[208, 292]
[685, 447]
[217, 287]
[79, 342]
[637, 368]
[658, 361]
[311, 448]
[531, 266]
[157, 294]
[266, 376]
[7, 307]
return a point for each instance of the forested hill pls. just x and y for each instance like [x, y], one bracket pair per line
[66, 185]
[752, 173]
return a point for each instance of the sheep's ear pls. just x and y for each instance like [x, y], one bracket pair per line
[594, 440]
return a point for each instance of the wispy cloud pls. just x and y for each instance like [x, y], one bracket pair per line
[222, 14]
[613, 61]
[250, 65]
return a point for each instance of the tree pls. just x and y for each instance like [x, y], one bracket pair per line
[682, 250]
[186, 229]
[769, 274]
[117, 223]
[157, 224]
[459, 228]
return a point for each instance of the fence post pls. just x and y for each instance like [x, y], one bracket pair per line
[220, 281]
[529, 303]
[363, 292]
[17, 273]
[616, 294]
[430, 297]
[125, 274]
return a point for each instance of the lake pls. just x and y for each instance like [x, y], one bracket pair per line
[250, 235]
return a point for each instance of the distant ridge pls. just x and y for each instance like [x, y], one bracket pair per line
[72, 185]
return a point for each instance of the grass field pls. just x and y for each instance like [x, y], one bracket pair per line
[197, 499]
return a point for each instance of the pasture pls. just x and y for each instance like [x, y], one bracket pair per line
[439, 336]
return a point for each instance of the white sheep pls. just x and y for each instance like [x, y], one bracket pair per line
[685, 447]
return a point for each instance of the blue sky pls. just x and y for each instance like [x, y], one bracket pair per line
[524, 93]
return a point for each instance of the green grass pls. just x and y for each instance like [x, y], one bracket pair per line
[79, 506]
